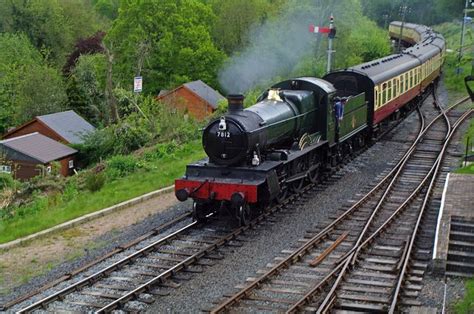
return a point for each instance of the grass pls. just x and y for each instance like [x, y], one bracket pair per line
[163, 173]
[466, 305]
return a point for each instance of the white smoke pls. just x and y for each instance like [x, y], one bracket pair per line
[276, 47]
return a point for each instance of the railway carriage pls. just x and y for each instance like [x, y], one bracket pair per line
[295, 132]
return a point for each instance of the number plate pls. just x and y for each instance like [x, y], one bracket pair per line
[223, 134]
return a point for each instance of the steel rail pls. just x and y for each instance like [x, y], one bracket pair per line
[193, 258]
[95, 276]
[350, 257]
[310, 243]
[314, 240]
[423, 207]
[76, 271]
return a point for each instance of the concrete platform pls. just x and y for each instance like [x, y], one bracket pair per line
[455, 224]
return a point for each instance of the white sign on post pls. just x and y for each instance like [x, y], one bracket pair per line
[137, 84]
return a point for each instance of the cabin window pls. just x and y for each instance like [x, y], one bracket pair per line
[71, 164]
[5, 169]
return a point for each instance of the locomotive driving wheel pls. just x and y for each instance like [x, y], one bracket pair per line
[199, 213]
[282, 195]
[313, 175]
[243, 213]
[297, 185]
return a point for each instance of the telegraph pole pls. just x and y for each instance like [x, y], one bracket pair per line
[403, 10]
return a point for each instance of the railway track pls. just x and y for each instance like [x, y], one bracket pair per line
[365, 260]
[152, 270]
[155, 270]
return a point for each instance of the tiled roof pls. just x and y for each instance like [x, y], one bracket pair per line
[39, 147]
[68, 124]
[205, 92]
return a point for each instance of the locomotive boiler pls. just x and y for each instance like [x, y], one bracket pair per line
[242, 136]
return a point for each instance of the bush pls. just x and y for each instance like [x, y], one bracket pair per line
[120, 166]
[6, 181]
[95, 181]
[162, 150]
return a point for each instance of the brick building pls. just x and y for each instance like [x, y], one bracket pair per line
[196, 98]
[21, 156]
[66, 127]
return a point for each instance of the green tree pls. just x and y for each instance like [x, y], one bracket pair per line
[108, 8]
[40, 91]
[235, 19]
[167, 42]
[85, 90]
[51, 25]
[28, 86]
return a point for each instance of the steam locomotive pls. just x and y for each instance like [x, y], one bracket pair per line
[299, 128]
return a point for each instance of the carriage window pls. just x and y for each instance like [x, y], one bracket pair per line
[395, 88]
[389, 90]
[384, 93]
[406, 82]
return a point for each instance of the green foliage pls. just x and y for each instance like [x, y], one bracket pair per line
[28, 86]
[45, 212]
[146, 122]
[162, 150]
[360, 44]
[425, 12]
[51, 25]
[6, 181]
[466, 305]
[235, 19]
[70, 191]
[108, 8]
[120, 166]
[40, 91]
[453, 79]
[95, 181]
[86, 86]
[170, 39]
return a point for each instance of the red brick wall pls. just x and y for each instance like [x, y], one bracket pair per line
[186, 101]
[36, 126]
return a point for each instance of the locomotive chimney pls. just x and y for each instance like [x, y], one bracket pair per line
[236, 102]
